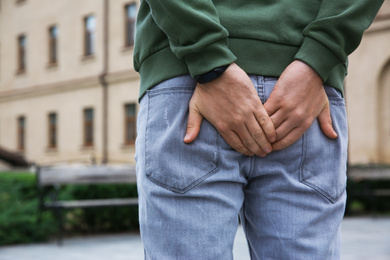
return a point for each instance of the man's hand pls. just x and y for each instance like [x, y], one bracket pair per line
[297, 100]
[232, 105]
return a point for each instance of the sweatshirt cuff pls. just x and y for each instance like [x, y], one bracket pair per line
[318, 57]
[212, 56]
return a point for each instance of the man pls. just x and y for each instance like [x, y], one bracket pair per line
[241, 112]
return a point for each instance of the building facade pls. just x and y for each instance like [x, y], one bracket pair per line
[368, 94]
[68, 90]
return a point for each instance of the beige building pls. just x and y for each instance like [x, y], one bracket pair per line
[68, 90]
[368, 94]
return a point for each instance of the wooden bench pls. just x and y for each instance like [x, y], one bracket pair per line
[369, 173]
[57, 176]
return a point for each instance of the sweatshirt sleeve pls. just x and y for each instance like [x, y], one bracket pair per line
[336, 33]
[194, 33]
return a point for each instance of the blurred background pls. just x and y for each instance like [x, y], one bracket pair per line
[69, 93]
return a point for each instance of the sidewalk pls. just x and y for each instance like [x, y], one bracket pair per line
[362, 239]
[365, 239]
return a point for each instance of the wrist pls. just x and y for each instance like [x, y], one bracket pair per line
[211, 75]
[308, 71]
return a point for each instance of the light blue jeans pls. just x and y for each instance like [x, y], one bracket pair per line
[290, 203]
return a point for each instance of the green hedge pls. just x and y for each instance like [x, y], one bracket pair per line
[92, 220]
[19, 210]
[367, 205]
[22, 222]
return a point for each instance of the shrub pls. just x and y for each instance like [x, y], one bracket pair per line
[359, 200]
[21, 221]
[106, 219]
[19, 210]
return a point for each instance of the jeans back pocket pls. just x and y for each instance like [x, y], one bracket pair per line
[169, 162]
[325, 160]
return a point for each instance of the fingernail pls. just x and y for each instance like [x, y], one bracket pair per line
[268, 150]
[272, 139]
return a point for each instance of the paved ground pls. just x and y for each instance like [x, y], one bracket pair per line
[362, 239]
[365, 239]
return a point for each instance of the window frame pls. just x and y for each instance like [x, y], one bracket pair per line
[52, 137]
[53, 45]
[130, 120]
[129, 37]
[88, 128]
[21, 132]
[89, 36]
[22, 53]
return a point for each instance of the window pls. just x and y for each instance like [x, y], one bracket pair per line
[53, 44]
[21, 53]
[21, 133]
[89, 35]
[130, 14]
[52, 130]
[88, 127]
[130, 123]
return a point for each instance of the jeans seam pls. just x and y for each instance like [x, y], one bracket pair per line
[252, 168]
[146, 128]
[245, 227]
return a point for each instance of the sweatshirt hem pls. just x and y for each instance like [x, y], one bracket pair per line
[253, 56]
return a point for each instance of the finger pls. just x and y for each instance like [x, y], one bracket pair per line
[235, 142]
[278, 118]
[289, 139]
[257, 141]
[193, 125]
[284, 129]
[325, 122]
[267, 126]
[271, 106]
[273, 103]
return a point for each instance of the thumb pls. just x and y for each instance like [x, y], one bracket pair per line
[193, 125]
[325, 122]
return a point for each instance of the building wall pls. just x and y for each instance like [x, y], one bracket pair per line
[34, 18]
[368, 94]
[69, 106]
[68, 87]
[121, 92]
[120, 57]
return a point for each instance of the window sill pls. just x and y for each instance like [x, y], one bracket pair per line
[20, 72]
[21, 151]
[87, 148]
[51, 150]
[19, 2]
[88, 58]
[129, 146]
[127, 49]
[52, 66]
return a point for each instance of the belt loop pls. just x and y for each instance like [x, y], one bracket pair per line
[260, 88]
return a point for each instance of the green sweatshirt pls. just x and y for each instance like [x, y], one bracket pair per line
[263, 37]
